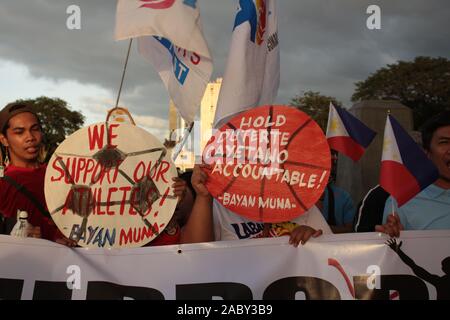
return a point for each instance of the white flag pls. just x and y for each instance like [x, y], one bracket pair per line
[252, 74]
[171, 38]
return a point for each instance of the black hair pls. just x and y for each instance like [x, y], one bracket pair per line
[3, 150]
[431, 125]
[5, 128]
[446, 265]
[13, 109]
[7, 124]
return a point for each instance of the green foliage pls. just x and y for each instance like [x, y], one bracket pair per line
[422, 85]
[57, 121]
[315, 105]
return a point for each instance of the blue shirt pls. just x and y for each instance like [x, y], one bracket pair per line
[344, 210]
[429, 210]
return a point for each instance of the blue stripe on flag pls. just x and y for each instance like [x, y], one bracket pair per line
[413, 156]
[357, 130]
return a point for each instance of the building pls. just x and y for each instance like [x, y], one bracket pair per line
[201, 132]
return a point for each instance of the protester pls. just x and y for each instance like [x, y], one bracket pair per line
[172, 232]
[337, 208]
[430, 209]
[211, 221]
[371, 208]
[336, 204]
[22, 187]
[183, 210]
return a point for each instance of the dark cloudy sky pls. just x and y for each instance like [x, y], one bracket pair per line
[325, 46]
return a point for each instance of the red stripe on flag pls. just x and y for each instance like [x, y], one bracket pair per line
[347, 146]
[398, 181]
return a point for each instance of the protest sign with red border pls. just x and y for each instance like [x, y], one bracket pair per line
[108, 185]
[269, 164]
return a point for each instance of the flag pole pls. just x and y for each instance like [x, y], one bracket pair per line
[118, 95]
[123, 73]
[392, 205]
[180, 145]
[392, 202]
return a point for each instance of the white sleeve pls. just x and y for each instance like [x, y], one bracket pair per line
[314, 219]
[216, 221]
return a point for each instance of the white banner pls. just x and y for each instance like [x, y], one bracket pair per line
[353, 266]
[252, 75]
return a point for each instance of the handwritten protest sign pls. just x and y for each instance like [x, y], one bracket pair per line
[269, 164]
[109, 186]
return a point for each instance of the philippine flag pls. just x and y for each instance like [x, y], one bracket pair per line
[347, 134]
[405, 169]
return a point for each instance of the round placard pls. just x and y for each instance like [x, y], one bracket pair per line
[108, 185]
[268, 164]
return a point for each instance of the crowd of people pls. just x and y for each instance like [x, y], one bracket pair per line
[201, 218]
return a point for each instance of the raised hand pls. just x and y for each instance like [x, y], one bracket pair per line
[198, 180]
[179, 188]
[303, 233]
[392, 227]
[392, 243]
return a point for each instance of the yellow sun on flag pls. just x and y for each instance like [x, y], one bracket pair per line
[388, 148]
[387, 143]
[334, 125]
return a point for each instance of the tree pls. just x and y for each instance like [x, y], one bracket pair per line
[315, 105]
[57, 121]
[423, 85]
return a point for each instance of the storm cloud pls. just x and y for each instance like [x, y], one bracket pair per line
[325, 46]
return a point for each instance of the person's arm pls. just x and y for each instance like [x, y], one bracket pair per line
[199, 227]
[6, 222]
[314, 226]
[179, 187]
[58, 237]
[418, 271]
[392, 227]
[303, 234]
[392, 224]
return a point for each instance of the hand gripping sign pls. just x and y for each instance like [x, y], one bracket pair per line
[108, 185]
[268, 164]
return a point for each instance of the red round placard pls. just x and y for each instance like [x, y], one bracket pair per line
[269, 164]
